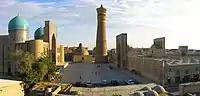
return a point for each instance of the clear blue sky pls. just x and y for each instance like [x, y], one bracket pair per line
[142, 20]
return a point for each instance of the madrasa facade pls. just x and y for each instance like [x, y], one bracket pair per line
[45, 41]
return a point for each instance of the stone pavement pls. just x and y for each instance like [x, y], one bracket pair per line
[139, 79]
[86, 71]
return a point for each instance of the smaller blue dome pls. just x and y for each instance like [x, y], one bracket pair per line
[39, 32]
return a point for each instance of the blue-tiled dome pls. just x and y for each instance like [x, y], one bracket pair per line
[18, 22]
[39, 32]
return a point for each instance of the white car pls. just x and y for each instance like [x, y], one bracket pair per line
[89, 84]
[130, 82]
[104, 82]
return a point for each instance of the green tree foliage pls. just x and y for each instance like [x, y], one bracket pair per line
[51, 72]
[22, 59]
[32, 71]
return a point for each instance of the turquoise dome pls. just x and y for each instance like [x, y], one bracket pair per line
[18, 22]
[39, 32]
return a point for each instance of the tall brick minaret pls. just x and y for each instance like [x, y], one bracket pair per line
[101, 42]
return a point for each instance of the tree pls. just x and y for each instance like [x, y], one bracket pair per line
[51, 69]
[22, 59]
[32, 71]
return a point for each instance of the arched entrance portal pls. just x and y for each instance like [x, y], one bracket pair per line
[53, 47]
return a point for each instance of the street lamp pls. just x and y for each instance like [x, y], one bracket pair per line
[163, 77]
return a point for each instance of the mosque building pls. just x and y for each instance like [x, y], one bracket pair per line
[45, 40]
[78, 54]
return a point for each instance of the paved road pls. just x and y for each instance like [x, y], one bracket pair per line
[72, 73]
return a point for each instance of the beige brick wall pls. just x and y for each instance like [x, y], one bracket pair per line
[149, 68]
[189, 88]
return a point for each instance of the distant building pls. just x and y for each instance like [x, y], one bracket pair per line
[78, 54]
[158, 47]
[121, 50]
[10, 88]
[45, 41]
[80, 50]
[170, 68]
[166, 70]
[158, 64]
[112, 55]
[183, 50]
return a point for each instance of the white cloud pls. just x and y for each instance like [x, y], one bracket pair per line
[143, 20]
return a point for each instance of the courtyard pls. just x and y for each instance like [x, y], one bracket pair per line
[82, 72]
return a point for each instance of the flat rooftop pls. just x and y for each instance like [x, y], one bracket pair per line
[114, 88]
[179, 60]
[6, 82]
[191, 83]
[184, 61]
[41, 85]
[110, 90]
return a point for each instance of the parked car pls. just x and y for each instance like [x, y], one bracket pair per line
[88, 84]
[110, 67]
[130, 82]
[78, 84]
[104, 83]
[114, 82]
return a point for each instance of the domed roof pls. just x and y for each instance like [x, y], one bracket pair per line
[151, 93]
[159, 89]
[39, 32]
[18, 22]
[137, 94]
[146, 88]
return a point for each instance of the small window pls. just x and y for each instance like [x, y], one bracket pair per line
[82, 58]
[186, 71]
[169, 69]
[177, 72]
[196, 69]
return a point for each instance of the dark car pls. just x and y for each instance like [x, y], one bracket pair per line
[78, 84]
[114, 82]
[110, 67]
